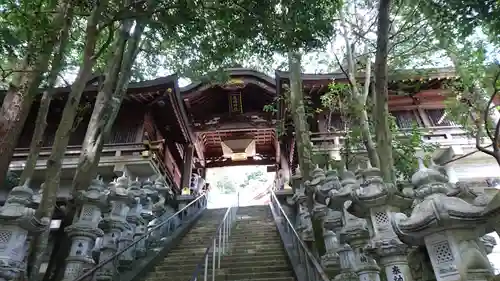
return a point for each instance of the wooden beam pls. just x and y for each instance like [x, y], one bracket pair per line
[187, 167]
[248, 162]
[234, 127]
[277, 147]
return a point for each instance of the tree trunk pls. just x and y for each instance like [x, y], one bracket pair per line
[106, 109]
[298, 110]
[359, 98]
[381, 113]
[107, 105]
[23, 88]
[302, 139]
[364, 125]
[54, 163]
[43, 110]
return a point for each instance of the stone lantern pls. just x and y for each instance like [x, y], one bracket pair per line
[449, 227]
[330, 260]
[147, 201]
[16, 222]
[354, 230]
[375, 201]
[135, 221]
[303, 223]
[334, 221]
[114, 225]
[84, 232]
[161, 211]
[150, 196]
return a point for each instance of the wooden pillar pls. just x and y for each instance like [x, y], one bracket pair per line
[188, 164]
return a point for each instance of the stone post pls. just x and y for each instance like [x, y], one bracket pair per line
[84, 232]
[16, 222]
[114, 224]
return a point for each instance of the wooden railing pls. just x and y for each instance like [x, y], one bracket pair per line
[116, 149]
[443, 136]
[154, 150]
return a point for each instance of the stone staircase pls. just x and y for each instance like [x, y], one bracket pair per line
[255, 251]
[180, 263]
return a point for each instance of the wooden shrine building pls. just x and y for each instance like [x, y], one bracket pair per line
[163, 130]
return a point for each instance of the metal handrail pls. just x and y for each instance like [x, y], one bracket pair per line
[312, 268]
[218, 243]
[91, 271]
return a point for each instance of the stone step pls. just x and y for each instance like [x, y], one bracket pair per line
[252, 238]
[256, 217]
[202, 222]
[253, 229]
[210, 278]
[189, 240]
[236, 255]
[226, 270]
[256, 224]
[221, 276]
[259, 230]
[257, 235]
[235, 236]
[254, 220]
[253, 217]
[233, 247]
[240, 243]
[202, 230]
[225, 263]
[243, 210]
[200, 227]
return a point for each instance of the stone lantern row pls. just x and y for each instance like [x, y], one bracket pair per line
[372, 227]
[119, 213]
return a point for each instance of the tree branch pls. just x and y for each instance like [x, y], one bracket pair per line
[464, 156]
[342, 68]
[497, 126]
[486, 113]
[64, 79]
[106, 43]
[478, 140]
[368, 74]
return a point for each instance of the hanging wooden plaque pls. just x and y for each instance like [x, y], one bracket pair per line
[235, 103]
